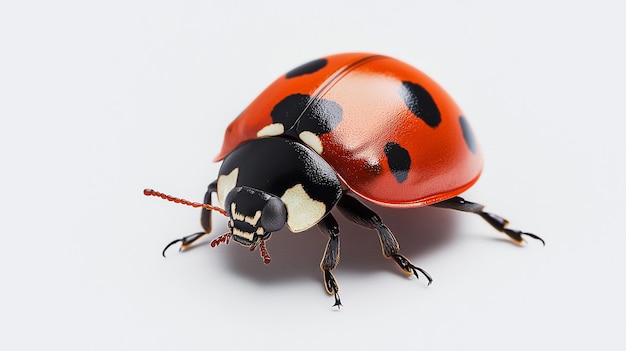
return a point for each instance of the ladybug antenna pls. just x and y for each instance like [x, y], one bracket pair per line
[224, 238]
[263, 251]
[150, 192]
[264, 254]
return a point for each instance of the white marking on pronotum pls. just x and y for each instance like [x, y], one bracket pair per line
[226, 183]
[302, 211]
[271, 130]
[312, 140]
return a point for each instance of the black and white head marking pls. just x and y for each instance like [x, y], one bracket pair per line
[286, 176]
[254, 215]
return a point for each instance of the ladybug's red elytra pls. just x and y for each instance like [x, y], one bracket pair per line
[332, 131]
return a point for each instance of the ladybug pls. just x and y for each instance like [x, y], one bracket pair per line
[335, 132]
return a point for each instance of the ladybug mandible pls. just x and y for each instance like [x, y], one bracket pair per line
[332, 131]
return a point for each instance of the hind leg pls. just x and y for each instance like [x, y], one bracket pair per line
[499, 223]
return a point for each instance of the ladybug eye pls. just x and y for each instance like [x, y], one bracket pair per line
[273, 215]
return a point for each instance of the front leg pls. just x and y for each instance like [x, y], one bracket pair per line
[328, 225]
[362, 215]
[205, 221]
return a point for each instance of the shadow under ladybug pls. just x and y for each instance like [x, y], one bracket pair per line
[419, 230]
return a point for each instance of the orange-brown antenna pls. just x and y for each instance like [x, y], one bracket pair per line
[262, 250]
[264, 254]
[150, 192]
[224, 238]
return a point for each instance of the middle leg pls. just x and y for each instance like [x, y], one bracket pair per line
[328, 225]
[362, 215]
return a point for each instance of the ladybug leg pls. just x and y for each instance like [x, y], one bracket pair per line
[499, 223]
[362, 215]
[205, 217]
[328, 225]
[205, 220]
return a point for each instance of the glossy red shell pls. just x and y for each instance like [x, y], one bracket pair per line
[366, 87]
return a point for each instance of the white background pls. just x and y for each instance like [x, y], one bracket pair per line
[100, 100]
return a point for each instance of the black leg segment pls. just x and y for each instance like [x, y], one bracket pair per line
[499, 223]
[362, 215]
[205, 217]
[328, 225]
[205, 220]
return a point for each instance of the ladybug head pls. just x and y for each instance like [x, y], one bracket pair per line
[254, 215]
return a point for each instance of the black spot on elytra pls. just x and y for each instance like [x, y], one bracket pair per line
[323, 116]
[399, 161]
[420, 103]
[468, 135]
[307, 68]
[289, 109]
[318, 117]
